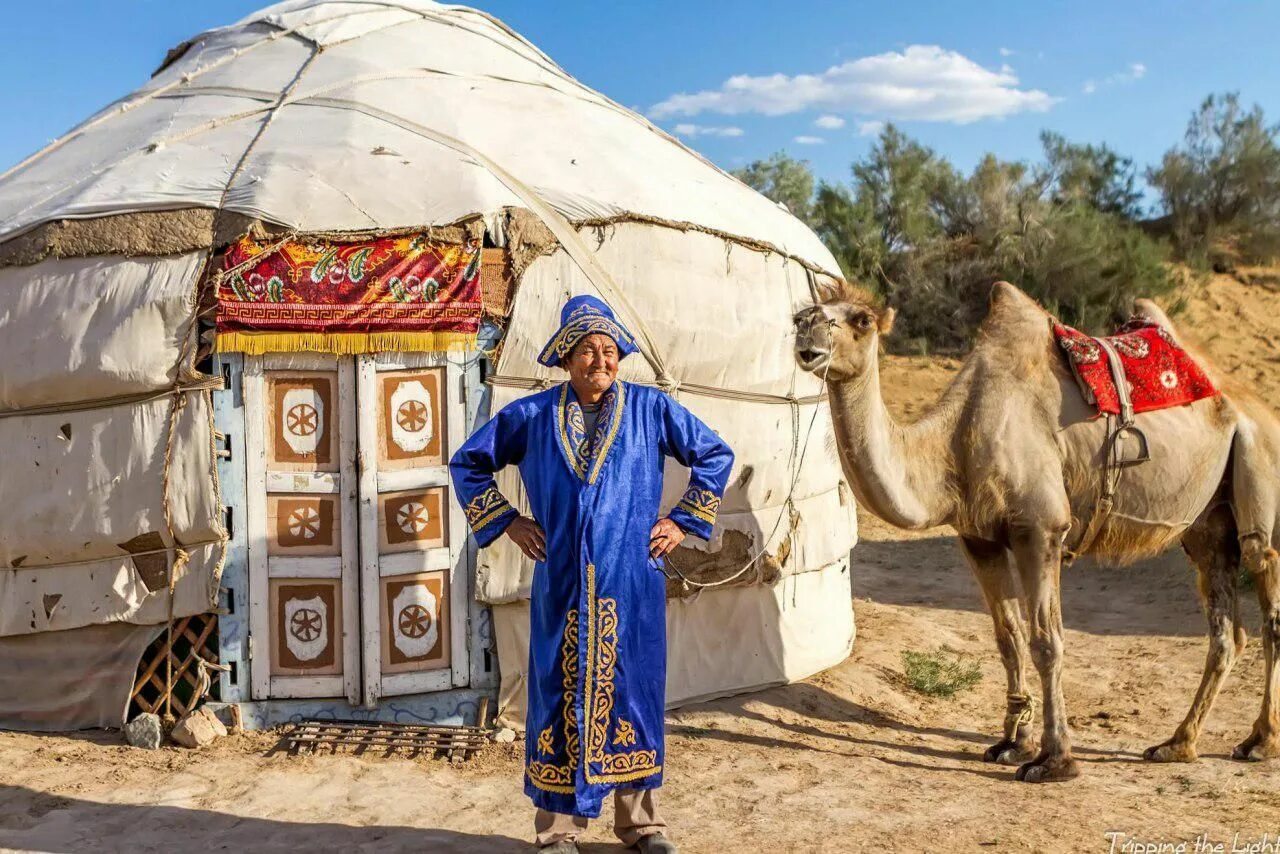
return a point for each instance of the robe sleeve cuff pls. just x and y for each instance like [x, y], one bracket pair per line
[696, 512]
[489, 514]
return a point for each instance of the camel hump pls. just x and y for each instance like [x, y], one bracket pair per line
[1010, 312]
[1152, 313]
[1003, 293]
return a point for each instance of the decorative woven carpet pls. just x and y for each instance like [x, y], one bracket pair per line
[1161, 374]
[392, 293]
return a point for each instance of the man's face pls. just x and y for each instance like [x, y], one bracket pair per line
[593, 363]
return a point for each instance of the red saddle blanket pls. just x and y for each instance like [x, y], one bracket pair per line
[1161, 374]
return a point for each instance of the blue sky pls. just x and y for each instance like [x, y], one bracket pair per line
[962, 81]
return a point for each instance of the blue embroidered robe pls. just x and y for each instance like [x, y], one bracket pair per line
[597, 648]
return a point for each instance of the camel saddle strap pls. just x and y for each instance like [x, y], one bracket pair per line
[1113, 457]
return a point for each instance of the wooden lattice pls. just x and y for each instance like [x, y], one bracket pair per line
[194, 638]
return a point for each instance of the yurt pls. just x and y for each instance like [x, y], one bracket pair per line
[248, 311]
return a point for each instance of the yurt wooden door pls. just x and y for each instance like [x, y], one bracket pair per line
[356, 546]
[412, 532]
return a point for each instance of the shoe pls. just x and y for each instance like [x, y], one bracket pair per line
[656, 843]
[564, 846]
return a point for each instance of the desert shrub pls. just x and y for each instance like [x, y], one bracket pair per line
[941, 673]
[1220, 188]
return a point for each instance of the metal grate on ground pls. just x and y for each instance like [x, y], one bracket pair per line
[458, 743]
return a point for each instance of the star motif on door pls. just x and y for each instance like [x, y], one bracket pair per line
[304, 522]
[305, 624]
[412, 517]
[302, 419]
[412, 416]
[414, 621]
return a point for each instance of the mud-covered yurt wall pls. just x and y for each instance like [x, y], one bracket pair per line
[164, 477]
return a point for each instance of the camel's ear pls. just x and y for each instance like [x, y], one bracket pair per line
[828, 290]
[884, 321]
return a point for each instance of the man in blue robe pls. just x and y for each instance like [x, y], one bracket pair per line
[590, 453]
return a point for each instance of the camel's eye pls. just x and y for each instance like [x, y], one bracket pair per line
[862, 321]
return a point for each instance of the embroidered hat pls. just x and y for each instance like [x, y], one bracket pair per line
[580, 317]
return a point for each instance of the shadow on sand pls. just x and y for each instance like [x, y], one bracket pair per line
[815, 706]
[36, 821]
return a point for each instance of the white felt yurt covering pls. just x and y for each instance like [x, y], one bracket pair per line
[366, 116]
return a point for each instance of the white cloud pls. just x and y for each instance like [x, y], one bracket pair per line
[922, 83]
[1004, 51]
[871, 128]
[692, 130]
[829, 122]
[810, 140]
[1135, 71]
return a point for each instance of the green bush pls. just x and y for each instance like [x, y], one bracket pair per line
[932, 240]
[942, 673]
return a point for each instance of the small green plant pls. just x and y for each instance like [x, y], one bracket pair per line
[941, 673]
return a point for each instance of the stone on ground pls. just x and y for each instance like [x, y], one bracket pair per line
[504, 736]
[198, 729]
[145, 731]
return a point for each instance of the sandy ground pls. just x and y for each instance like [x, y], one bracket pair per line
[851, 759]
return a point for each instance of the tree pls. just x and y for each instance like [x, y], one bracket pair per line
[783, 179]
[933, 240]
[899, 185]
[1221, 186]
[1094, 175]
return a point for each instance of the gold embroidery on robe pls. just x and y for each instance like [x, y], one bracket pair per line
[624, 733]
[702, 503]
[602, 659]
[548, 775]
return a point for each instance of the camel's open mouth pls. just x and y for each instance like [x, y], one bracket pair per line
[811, 359]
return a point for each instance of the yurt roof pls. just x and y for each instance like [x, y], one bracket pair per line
[359, 115]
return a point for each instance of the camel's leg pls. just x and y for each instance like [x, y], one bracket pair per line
[1264, 563]
[1038, 554]
[1211, 545]
[990, 564]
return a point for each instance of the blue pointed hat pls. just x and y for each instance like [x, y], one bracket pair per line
[580, 317]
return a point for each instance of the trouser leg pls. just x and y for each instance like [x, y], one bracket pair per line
[635, 814]
[551, 827]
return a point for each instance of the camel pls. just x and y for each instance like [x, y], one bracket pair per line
[1011, 457]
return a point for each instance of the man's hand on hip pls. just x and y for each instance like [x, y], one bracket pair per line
[664, 537]
[527, 534]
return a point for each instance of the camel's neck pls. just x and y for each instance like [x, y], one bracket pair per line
[901, 474]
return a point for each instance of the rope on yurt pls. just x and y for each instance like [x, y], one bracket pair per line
[191, 546]
[540, 383]
[206, 383]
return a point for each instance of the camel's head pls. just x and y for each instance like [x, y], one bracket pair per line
[837, 337]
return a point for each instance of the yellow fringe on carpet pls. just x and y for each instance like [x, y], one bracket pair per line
[343, 343]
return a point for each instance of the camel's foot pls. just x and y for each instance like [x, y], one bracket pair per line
[1049, 768]
[1256, 748]
[1172, 750]
[1010, 752]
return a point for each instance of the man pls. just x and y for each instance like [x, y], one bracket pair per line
[590, 455]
